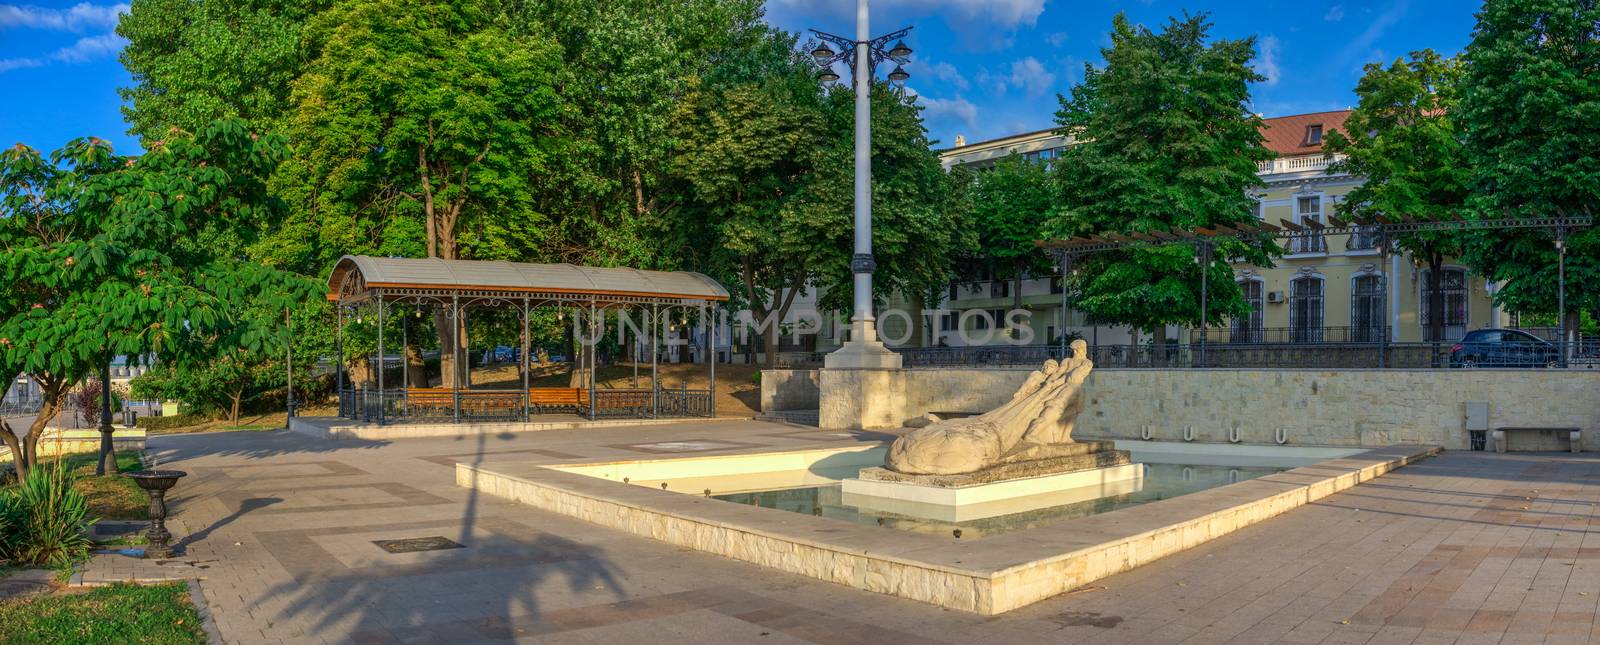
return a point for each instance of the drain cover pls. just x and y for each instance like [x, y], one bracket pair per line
[413, 545]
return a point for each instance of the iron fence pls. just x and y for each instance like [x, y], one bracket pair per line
[401, 405]
[1297, 335]
[1325, 355]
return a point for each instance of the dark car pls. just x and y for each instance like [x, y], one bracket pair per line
[1503, 348]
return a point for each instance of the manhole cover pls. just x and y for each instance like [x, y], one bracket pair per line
[413, 545]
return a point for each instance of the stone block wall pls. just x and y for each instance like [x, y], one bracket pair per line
[789, 390]
[1355, 408]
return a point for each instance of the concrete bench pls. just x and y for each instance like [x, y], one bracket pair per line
[1574, 437]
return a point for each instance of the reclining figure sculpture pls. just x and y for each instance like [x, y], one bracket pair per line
[1039, 417]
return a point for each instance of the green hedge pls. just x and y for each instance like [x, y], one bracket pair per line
[167, 423]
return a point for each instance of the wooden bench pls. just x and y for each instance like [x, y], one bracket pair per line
[541, 400]
[1574, 437]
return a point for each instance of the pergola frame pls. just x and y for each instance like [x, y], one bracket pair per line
[589, 294]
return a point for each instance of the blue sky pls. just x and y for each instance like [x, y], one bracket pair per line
[982, 68]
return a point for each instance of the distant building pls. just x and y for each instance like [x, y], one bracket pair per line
[1326, 288]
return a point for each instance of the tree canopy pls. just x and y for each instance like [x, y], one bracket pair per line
[1530, 109]
[108, 255]
[1408, 147]
[1163, 140]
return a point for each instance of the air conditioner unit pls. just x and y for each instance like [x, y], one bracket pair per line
[1274, 296]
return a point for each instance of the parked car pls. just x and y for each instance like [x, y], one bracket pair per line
[1504, 348]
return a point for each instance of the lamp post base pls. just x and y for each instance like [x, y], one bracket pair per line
[862, 354]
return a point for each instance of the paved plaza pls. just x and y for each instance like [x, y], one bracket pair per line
[281, 531]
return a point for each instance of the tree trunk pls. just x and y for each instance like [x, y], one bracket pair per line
[447, 348]
[1016, 299]
[919, 326]
[233, 409]
[54, 391]
[14, 444]
[417, 369]
[1158, 345]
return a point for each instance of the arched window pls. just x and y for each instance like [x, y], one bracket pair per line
[1305, 309]
[1453, 286]
[1248, 329]
[1367, 309]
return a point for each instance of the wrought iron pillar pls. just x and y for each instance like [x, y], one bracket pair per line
[1561, 291]
[382, 359]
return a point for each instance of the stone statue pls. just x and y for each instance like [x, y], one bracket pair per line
[1036, 424]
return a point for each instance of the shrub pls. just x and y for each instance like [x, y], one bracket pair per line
[168, 423]
[46, 519]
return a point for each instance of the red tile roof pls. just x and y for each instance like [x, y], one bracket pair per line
[1286, 135]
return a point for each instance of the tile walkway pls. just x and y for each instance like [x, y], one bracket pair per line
[1464, 548]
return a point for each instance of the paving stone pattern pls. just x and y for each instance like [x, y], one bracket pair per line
[1463, 548]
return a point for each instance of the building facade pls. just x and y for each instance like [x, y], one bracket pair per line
[1325, 288]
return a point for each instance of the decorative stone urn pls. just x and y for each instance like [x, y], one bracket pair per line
[156, 483]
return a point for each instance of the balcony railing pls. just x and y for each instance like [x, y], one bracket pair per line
[1300, 163]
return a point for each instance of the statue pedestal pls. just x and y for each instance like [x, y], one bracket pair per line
[1095, 471]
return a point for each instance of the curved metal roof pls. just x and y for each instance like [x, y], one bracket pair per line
[521, 277]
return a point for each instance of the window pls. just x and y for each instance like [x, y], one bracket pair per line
[1305, 310]
[1314, 135]
[1248, 329]
[1000, 289]
[1308, 208]
[1363, 238]
[1453, 288]
[948, 320]
[1367, 309]
[1057, 284]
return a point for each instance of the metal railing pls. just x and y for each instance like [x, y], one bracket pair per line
[21, 406]
[1327, 355]
[370, 405]
[1345, 334]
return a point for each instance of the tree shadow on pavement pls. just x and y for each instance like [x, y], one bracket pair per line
[486, 590]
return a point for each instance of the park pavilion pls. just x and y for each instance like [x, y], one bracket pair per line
[652, 305]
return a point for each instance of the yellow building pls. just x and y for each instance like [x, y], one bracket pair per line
[1326, 288]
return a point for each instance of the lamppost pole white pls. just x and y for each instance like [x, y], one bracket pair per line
[862, 323]
[864, 350]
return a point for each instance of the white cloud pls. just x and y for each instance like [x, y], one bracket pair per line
[1031, 76]
[78, 18]
[86, 49]
[1056, 39]
[1335, 13]
[1269, 60]
[941, 71]
[947, 110]
[1005, 13]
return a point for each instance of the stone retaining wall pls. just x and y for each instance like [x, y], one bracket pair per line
[1356, 408]
[789, 390]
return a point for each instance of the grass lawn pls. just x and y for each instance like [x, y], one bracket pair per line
[121, 613]
[111, 497]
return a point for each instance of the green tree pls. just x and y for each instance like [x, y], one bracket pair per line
[1165, 141]
[747, 133]
[195, 61]
[625, 66]
[430, 111]
[104, 253]
[1409, 150]
[1530, 109]
[917, 221]
[1011, 204]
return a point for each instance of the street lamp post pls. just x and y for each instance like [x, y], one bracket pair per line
[864, 350]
